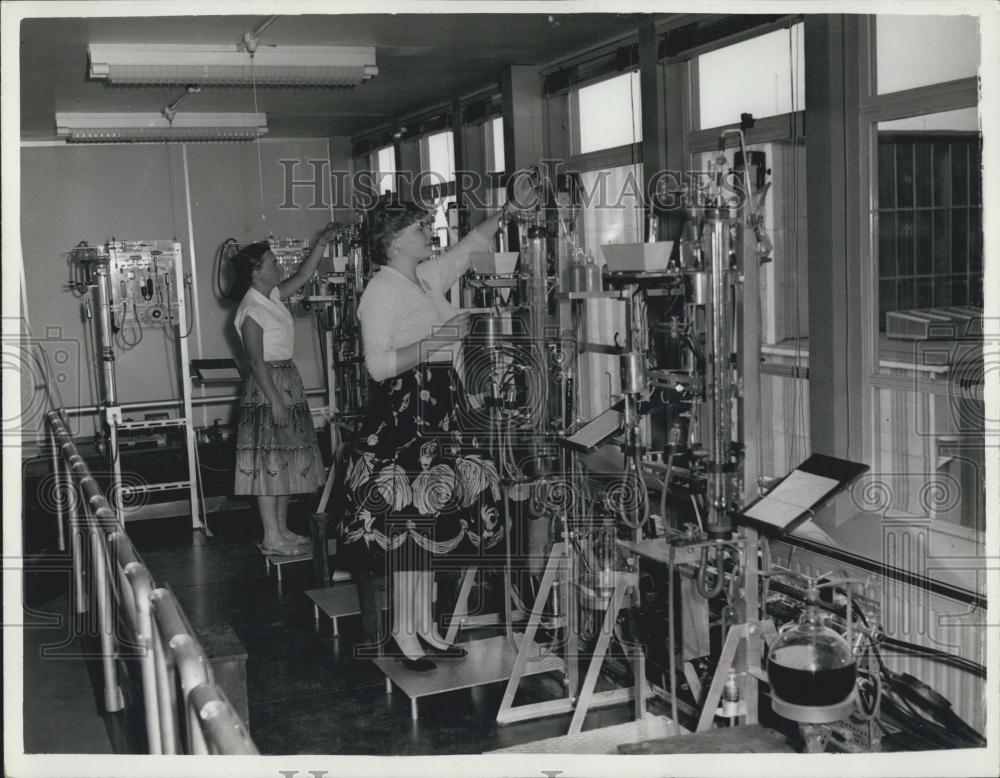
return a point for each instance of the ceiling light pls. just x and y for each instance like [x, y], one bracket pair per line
[155, 128]
[225, 65]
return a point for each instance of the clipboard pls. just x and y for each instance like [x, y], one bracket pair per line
[597, 431]
[799, 495]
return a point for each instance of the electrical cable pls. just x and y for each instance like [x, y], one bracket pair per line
[260, 164]
[926, 651]
[924, 726]
[189, 313]
[701, 581]
[666, 487]
[935, 655]
[221, 254]
[126, 343]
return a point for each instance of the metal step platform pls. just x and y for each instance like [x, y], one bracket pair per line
[490, 660]
[336, 601]
[603, 740]
[278, 562]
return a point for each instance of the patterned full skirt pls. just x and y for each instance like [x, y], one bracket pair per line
[419, 483]
[273, 460]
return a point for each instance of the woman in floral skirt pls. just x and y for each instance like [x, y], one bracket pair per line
[419, 483]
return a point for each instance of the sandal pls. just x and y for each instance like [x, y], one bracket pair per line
[295, 539]
[282, 549]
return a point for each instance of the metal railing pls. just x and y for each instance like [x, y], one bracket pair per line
[109, 575]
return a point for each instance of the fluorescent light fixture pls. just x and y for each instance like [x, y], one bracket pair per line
[225, 65]
[154, 127]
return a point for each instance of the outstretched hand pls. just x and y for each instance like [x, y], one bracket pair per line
[328, 233]
[522, 191]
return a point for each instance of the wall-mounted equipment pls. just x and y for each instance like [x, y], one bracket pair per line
[156, 128]
[134, 285]
[231, 65]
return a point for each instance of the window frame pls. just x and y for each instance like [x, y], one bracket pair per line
[874, 108]
[787, 127]
[613, 156]
[376, 170]
[441, 189]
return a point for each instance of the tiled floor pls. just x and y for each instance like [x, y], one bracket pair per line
[307, 693]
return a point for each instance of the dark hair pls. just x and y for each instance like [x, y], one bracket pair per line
[245, 262]
[388, 218]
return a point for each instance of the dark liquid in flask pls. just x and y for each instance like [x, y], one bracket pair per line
[800, 686]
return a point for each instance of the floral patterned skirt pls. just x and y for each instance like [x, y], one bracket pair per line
[273, 460]
[419, 483]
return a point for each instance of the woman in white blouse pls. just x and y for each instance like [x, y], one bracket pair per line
[419, 483]
[276, 450]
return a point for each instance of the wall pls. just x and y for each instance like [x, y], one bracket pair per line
[73, 193]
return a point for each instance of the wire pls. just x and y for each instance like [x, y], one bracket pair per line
[701, 582]
[221, 254]
[260, 164]
[665, 488]
[126, 343]
[934, 654]
[188, 313]
[924, 726]
[798, 408]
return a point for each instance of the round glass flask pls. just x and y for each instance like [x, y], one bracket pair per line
[811, 669]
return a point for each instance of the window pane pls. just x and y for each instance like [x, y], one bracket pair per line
[610, 113]
[929, 220]
[611, 213]
[441, 221]
[914, 51]
[496, 132]
[784, 280]
[440, 157]
[764, 76]
[383, 164]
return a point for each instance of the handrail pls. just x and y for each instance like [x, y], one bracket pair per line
[188, 657]
[220, 721]
[141, 585]
[192, 664]
[163, 635]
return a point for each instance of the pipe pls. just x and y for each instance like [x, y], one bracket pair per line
[83, 410]
[113, 700]
[192, 664]
[223, 729]
[57, 488]
[165, 693]
[141, 584]
[672, 637]
[719, 378]
[102, 291]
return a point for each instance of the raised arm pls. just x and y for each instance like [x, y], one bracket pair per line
[442, 272]
[298, 279]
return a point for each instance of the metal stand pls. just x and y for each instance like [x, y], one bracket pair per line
[742, 650]
[119, 254]
[625, 585]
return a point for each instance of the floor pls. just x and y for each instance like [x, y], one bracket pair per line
[307, 693]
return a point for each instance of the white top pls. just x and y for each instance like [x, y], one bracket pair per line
[274, 318]
[395, 313]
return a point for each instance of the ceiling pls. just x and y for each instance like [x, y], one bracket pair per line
[423, 59]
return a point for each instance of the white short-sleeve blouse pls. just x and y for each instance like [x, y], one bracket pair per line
[274, 319]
